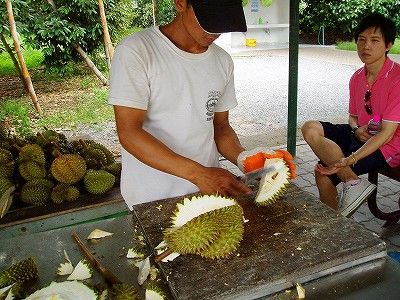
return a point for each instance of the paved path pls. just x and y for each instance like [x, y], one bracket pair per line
[260, 119]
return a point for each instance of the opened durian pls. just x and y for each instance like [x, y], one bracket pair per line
[66, 290]
[21, 271]
[273, 184]
[123, 291]
[7, 189]
[153, 292]
[210, 226]
[68, 168]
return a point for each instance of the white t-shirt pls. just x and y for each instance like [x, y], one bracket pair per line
[180, 91]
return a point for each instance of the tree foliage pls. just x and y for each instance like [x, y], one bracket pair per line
[143, 12]
[343, 16]
[73, 21]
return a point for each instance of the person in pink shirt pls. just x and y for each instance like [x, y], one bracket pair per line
[348, 150]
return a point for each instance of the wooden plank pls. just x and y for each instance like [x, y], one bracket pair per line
[25, 214]
[297, 239]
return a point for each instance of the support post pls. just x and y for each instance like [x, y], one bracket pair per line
[293, 76]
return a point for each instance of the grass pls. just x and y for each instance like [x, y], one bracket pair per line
[33, 59]
[351, 46]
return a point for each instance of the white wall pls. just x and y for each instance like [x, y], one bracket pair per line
[272, 23]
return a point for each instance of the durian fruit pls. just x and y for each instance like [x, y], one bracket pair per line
[32, 152]
[153, 292]
[30, 170]
[64, 192]
[96, 155]
[7, 189]
[66, 290]
[210, 226]
[68, 168]
[123, 291]
[98, 181]
[37, 191]
[273, 184]
[6, 163]
[21, 271]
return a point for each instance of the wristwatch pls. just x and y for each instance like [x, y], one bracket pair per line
[353, 129]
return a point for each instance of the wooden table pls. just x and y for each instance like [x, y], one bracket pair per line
[297, 239]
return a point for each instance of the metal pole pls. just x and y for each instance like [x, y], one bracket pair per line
[293, 76]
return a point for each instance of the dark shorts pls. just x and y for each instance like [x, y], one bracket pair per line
[342, 136]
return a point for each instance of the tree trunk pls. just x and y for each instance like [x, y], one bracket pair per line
[12, 56]
[17, 46]
[106, 35]
[83, 54]
[155, 12]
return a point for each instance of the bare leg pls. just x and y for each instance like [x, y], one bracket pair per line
[327, 190]
[328, 152]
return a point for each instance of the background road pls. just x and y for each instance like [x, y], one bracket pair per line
[261, 78]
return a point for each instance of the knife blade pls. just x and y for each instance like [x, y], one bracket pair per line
[256, 174]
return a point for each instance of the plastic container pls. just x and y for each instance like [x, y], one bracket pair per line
[374, 125]
[251, 42]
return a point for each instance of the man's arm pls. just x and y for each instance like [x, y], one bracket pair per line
[149, 150]
[227, 142]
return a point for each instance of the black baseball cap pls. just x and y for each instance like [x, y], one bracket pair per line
[219, 16]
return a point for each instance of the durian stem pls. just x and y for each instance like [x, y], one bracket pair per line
[163, 255]
[17, 147]
[82, 142]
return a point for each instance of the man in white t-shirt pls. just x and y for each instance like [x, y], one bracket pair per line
[172, 89]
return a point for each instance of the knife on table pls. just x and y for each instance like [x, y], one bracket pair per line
[252, 176]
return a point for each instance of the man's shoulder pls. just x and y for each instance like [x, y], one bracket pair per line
[137, 37]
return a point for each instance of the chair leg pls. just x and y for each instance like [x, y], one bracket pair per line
[390, 218]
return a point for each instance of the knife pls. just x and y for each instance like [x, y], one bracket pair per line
[256, 174]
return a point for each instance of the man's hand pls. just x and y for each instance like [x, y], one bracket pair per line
[334, 168]
[220, 181]
[362, 134]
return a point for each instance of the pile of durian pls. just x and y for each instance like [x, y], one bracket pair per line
[47, 167]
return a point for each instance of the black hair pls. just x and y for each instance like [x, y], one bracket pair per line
[376, 20]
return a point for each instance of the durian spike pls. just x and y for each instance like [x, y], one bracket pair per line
[163, 255]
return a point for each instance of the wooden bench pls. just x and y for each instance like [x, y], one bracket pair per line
[392, 217]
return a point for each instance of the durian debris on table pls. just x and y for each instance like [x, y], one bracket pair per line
[65, 268]
[273, 184]
[81, 271]
[98, 234]
[19, 272]
[66, 290]
[209, 226]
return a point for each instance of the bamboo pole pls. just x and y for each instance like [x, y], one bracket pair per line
[83, 54]
[155, 12]
[17, 46]
[89, 62]
[106, 35]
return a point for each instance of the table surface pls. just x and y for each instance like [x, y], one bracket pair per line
[297, 239]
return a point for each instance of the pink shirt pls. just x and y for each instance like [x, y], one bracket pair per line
[385, 100]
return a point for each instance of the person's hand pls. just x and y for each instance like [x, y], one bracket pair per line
[220, 181]
[334, 168]
[362, 134]
[247, 153]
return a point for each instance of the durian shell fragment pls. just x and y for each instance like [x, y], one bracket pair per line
[273, 184]
[200, 222]
[21, 271]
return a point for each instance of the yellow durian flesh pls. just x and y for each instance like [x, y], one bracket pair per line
[273, 184]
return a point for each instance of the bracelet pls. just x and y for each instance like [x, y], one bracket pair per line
[353, 156]
[354, 129]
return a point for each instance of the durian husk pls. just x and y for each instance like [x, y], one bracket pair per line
[68, 168]
[19, 272]
[123, 291]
